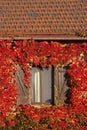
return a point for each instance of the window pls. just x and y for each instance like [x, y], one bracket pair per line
[41, 85]
[49, 86]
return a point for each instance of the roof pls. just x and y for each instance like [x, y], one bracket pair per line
[33, 18]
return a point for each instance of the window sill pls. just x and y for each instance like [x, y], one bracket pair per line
[41, 105]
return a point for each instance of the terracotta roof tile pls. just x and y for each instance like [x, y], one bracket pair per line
[20, 17]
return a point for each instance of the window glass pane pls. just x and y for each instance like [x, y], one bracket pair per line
[46, 86]
[41, 85]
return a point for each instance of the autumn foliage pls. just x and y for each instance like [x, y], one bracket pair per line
[28, 53]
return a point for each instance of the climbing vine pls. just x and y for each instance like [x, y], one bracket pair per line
[28, 53]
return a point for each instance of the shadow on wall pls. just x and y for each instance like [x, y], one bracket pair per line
[68, 91]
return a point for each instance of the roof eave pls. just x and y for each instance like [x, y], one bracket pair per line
[44, 37]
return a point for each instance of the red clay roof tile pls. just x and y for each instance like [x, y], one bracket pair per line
[21, 18]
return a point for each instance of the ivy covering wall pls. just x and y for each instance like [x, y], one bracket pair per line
[27, 53]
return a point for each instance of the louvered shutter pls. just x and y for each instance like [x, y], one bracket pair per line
[60, 86]
[23, 97]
